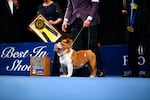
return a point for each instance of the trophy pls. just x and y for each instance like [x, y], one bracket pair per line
[43, 29]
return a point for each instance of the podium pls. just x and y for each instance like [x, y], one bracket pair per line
[40, 66]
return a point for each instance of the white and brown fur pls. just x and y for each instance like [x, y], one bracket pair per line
[71, 59]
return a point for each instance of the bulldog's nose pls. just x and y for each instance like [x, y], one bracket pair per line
[59, 49]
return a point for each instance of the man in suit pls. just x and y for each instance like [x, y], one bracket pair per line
[133, 39]
[147, 35]
[140, 35]
[10, 21]
[83, 18]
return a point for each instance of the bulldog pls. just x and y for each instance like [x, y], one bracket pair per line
[71, 59]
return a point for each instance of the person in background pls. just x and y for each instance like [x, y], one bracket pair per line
[139, 34]
[52, 11]
[133, 41]
[12, 19]
[125, 16]
[82, 16]
[147, 37]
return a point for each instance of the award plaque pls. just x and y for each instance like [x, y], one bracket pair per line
[40, 66]
[43, 29]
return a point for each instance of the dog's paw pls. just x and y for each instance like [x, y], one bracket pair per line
[63, 75]
[91, 76]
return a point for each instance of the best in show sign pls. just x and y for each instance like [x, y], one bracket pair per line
[15, 57]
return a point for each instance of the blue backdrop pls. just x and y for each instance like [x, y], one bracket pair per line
[15, 57]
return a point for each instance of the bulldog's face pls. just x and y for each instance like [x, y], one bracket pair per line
[61, 47]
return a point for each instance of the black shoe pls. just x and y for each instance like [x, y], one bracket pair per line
[101, 73]
[147, 74]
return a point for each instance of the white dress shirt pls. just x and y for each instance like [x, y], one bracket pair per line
[10, 2]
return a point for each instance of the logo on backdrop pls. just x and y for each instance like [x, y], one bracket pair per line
[141, 61]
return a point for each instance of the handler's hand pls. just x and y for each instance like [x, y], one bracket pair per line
[64, 26]
[86, 23]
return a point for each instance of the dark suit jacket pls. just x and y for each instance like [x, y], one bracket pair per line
[10, 27]
[83, 8]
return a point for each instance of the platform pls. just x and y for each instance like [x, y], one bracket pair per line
[74, 88]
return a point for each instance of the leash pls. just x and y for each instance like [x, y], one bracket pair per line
[89, 37]
[77, 36]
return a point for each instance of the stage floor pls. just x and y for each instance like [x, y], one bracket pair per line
[74, 88]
